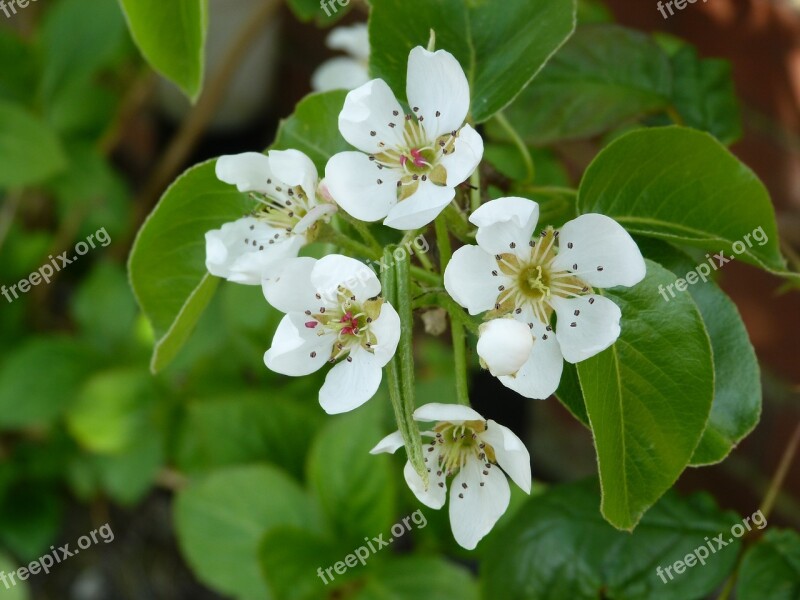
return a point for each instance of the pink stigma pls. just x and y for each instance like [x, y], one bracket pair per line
[418, 160]
[311, 324]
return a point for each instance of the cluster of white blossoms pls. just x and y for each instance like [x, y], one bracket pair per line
[538, 294]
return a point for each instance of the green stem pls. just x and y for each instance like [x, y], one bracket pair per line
[348, 243]
[475, 192]
[456, 327]
[396, 284]
[530, 168]
[363, 230]
[426, 276]
[550, 190]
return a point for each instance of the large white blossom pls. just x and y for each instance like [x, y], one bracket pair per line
[284, 183]
[408, 164]
[344, 72]
[472, 450]
[333, 315]
[514, 276]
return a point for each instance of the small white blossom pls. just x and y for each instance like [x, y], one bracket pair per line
[471, 450]
[509, 274]
[284, 183]
[333, 315]
[344, 72]
[408, 164]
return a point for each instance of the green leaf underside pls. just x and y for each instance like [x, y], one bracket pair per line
[171, 37]
[647, 397]
[499, 56]
[683, 186]
[564, 550]
[167, 263]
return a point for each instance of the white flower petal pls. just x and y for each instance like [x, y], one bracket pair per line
[436, 84]
[599, 241]
[510, 452]
[434, 495]
[352, 181]
[454, 413]
[293, 346]
[505, 222]
[475, 509]
[387, 331]
[465, 157]
[596, 325]
[294, 168]
[504, 345]
[353, 39]
[421, 208]
[248, 171]
[368, 110]
[340, 73]
[540, 375]
[241, 251]
[469, 281]
[350, 383]
[289, 288]
[335, 270]
[390, 444]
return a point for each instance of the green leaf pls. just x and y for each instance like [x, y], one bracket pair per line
[20, 68]
[648, 396]
[603, 77]
[313, 128]
[40, 380]
[771, 569]
[167, 263]
[683, 186]
[111, 410]
[78, 37]
[171, 37]
[222, 518]
[558, 547]
[355, 488]
[244, 428]
[414, 577]
[20, 591]
[104, 307]
[737, 384]
[30, 517]
[501, 51]
[29, 152]
[703, 93]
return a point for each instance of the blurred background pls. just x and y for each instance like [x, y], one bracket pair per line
[88, 436]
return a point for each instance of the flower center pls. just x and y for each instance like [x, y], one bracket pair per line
[283, 208]
[533, 281]
[461, 442]
[348, 320]
[417, 158]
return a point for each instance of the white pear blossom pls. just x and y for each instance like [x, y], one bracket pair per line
[408, 164]
[344, 72]
[284, 183]
[509, 274]
[472, 450]
[333, 315]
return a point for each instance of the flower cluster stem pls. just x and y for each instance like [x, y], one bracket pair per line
[530, 169]
[456, 327]
[396, 284]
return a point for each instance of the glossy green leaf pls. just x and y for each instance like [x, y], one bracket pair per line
[355, 488]
[29, 152]
[40, 380]
[771, 569]
[171, 37]
[648, 397]
[737, 383]
[603, 77]
[563, 550]
[221, 520]
[313, 128]
[684, 186]
[167, 263]
[499, 50]
[414, 577]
